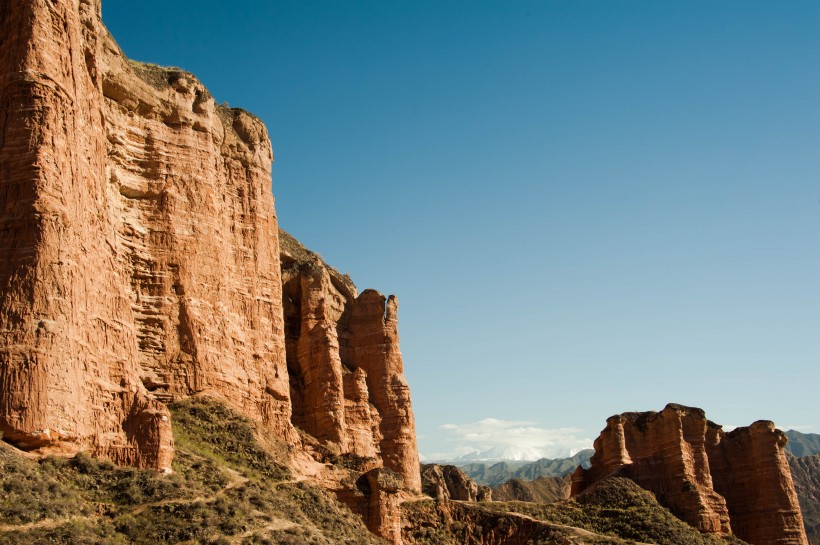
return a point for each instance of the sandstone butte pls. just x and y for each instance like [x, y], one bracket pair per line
[141, 264]
[737, 482]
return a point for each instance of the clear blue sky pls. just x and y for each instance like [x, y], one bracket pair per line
[584, 207]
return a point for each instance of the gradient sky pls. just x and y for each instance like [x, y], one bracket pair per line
[584, 207]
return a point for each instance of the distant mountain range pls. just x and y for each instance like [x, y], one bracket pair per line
[802, 444]
[501, 472]
[507, 453]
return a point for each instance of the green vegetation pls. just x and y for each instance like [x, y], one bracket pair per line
[226, 488]
[619, 507]
[615, 511]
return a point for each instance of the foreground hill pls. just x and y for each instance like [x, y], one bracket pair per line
[614, 512]
[227, 487]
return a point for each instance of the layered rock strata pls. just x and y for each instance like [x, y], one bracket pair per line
[736, 482]
[346, 371]
[376, 496]
[140, 263]
[69, 350]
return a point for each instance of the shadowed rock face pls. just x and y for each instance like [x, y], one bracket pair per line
[806, 477]
[376, 498]
[141, 264]
[736, 482]
[450, 483]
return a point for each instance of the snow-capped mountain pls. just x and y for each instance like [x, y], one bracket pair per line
[503, 452]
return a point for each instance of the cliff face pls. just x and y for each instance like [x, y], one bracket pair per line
[346, 372]
[140, 264]
[736, 482]
[445, 483]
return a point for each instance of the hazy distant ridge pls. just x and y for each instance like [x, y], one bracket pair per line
[501, 472]
[802, 444]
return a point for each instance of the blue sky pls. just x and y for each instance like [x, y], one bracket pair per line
[584, 207]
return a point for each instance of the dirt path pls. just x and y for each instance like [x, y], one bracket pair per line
[235, 480]
[45, 524]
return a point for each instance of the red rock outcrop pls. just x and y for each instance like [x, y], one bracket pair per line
[750, 469]
[140, 263]
[346, 372]
[69, 368]
[718, 482]
[376, 498]
[447, 482]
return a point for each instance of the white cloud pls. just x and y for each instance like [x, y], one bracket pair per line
[511, 436]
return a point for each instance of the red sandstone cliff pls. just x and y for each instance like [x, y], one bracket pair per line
[736, 482]
[346, 372]
[140, 263]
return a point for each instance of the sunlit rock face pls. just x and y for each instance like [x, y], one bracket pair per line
[737, 482]
[141, 265]
[346, 371]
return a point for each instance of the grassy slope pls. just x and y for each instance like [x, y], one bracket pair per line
[501, 472]
[802, 444]
[225, 489]
[540, 490]
[617, 508]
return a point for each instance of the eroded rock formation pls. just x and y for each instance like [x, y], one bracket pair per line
[141, 264]
[736, 482]
[346, 372]
[376, 497]
[450, 483]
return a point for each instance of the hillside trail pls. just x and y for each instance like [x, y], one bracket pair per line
[579, 532]
[235, 480]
